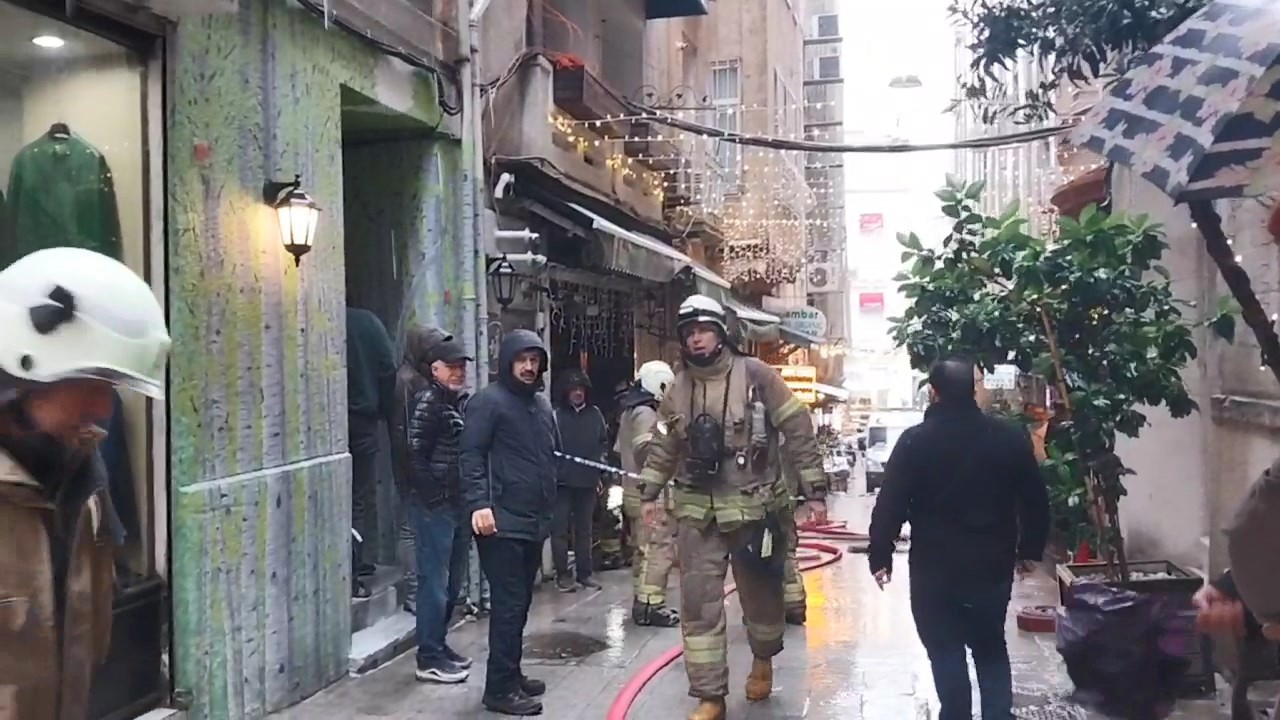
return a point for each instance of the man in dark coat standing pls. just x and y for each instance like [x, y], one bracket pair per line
[371, 382]
[508, 484]
[970, 486]
[586, 436]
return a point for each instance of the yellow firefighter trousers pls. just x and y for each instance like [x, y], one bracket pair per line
[706, 552]
[793, 584]
[653, 553]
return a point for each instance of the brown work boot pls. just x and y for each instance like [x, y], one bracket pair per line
[760, 681]
[708, 710]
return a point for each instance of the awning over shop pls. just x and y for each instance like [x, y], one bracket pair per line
[837, 394]
[638, 254]
[798, 338]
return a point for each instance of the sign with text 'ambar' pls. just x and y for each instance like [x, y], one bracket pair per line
[801, 379]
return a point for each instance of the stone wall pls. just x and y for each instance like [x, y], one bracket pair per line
[260, 473]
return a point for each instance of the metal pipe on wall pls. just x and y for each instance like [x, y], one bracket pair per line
[479, 268]
[472, 243]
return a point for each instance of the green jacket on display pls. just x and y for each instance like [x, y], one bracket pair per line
[61, 194]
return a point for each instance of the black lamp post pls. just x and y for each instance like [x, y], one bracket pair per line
[297, 214]
[502, 274]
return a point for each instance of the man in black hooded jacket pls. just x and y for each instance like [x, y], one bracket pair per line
[508, 484]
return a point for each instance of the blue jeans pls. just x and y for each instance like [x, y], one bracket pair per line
[949, 619]
[442, 540]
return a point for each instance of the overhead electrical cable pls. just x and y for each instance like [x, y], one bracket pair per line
[1018, 138]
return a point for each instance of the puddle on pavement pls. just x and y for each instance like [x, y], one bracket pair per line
[561, 645]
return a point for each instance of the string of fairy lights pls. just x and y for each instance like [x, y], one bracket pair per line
[770, 204]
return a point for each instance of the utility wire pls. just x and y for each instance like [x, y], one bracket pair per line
[1018, 138]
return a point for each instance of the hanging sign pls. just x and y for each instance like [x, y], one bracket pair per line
[871, 302]
[870, 223]
[801, 380]
[806, 320]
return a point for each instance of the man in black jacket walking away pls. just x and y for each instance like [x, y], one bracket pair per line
[442, 533]
[971, 488]
[585, 435]
[508, 488]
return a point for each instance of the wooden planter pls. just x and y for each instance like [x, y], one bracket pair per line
[1179, 586]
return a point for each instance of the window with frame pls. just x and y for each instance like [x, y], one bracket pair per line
[829, 67]
[827, 26]
[726, 101]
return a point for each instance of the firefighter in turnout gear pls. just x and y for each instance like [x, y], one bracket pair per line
[653, 547]
[716, 437]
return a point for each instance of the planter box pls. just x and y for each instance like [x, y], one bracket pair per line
[584, 97]
[1174, 583]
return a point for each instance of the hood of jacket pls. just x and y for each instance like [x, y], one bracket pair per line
[569, 380]
[635, 396]
[516, 342]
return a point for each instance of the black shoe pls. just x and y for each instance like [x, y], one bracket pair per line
[457, 658]
[442, 670]
[516, 703]
[360, 591]
[366, 569]
[590, 584]
[532, 687]
[565, 585]
[646, 615]
[796, 616]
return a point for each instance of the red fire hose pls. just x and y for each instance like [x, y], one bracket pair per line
[831, 531]
[825, 555]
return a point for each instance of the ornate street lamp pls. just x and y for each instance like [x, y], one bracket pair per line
[502, 274]
[297, 214]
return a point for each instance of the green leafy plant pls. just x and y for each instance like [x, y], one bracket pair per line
[1090, 310]
[1073, 41]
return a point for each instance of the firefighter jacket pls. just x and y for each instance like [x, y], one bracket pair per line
[635, 435]
[56, 582]
[739, 492]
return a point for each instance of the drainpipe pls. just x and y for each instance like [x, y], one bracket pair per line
[472, 245]
[479, 267]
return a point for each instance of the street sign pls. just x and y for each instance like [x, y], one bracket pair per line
[801, 379]
[806, 320]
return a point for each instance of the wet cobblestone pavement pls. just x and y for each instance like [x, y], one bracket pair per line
[858, 658]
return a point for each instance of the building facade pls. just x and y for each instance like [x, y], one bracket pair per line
[826, 261]
[196, 118]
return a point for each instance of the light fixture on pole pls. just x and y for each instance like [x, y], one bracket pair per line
[503, 276]
[297, 214]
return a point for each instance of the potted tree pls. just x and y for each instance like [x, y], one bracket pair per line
[1091, 312]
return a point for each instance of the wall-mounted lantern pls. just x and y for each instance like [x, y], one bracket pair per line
[297, 214]
[503, 276]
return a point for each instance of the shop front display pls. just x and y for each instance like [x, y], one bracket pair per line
[73, 172]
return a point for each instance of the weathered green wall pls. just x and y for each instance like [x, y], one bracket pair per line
[259, 464]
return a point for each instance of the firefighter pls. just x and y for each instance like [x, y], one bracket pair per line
[653, 549]
[717, 432]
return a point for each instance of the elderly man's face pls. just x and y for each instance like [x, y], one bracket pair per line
[577, 396]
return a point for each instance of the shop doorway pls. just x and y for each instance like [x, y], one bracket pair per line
[79, 116]
[393, 210]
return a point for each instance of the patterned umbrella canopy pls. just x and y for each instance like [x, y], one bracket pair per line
[1199, 115]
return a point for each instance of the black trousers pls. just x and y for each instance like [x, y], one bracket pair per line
[512, 568]
[574, 511]
[950, 618]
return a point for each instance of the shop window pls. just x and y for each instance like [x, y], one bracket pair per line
[74, 172]
[72, 158]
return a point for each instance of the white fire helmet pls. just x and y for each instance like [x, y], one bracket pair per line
[655, 377]
[72, 313]
[700, 308]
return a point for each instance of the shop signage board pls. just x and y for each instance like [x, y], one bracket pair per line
[1001, 377]
[807, 320]
[870, 223]
[801, 380]
[871, 302]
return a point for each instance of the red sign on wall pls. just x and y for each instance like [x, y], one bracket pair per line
[870, 223]
[871, 302]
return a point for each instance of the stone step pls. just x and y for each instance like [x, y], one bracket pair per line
[386, 588]
[380, 643]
